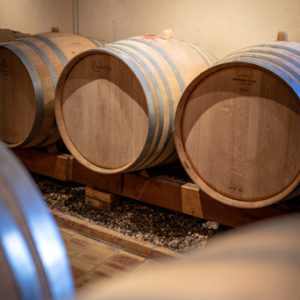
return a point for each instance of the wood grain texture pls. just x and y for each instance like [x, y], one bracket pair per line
[115, 105]
[100, 199]
[8, 35]
[29, 69]
[17, 100]
[237, 128]
[92, 125]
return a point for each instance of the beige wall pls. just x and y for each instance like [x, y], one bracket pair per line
[35, 16]
[220, 25]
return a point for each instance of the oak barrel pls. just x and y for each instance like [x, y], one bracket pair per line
[237, 127]
[260, 262]
[8, 35]
[29, 69]
[33, 260]
[115, 105]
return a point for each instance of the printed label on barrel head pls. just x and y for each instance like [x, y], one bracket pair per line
[97, 67]
[245, 81]
[4, 69]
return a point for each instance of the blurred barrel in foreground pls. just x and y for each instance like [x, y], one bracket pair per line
[8, 35]
[33, 261]
[115, 105]
[260, 262]
[237, 127]
[29, 70]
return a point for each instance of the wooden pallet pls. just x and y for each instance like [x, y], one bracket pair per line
[154, 186]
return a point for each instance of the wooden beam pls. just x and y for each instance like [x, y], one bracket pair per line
[101, 199]
[108, 183]
[51, 165]
[177, 194]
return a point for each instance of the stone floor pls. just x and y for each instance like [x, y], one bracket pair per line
[95, 260]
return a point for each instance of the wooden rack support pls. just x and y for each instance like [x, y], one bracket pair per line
[100, 199]
[173, 193]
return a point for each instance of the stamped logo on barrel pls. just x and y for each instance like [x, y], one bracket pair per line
[245, 81]
[97, 67]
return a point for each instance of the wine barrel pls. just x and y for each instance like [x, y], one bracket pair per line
[249, 263]
[115, 105]
[237, 127]
[8, 35]
[33, 260]
[29, 69]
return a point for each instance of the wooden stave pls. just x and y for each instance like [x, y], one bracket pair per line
[45, 132]
[39, 272]
[236, 59]
[208, 59]
[37, 87]
[195, 176]
[279, 63]
[53, 134]
[59, 116]
[39, 100]
[118, 49]
[153, 138]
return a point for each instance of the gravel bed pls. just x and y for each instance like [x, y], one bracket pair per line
[162, 227]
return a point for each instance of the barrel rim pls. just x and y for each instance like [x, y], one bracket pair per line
[36, 91]
[53, 53]
[38, 225]
[186, 162]
[59, 115]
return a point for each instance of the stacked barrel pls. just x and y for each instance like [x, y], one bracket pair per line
[237, 127]
[29, 69]
[115, 105]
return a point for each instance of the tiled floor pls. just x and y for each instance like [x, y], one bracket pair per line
[91, 259]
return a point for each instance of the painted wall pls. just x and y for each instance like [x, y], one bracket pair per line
[220, 25]
[35, 16]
